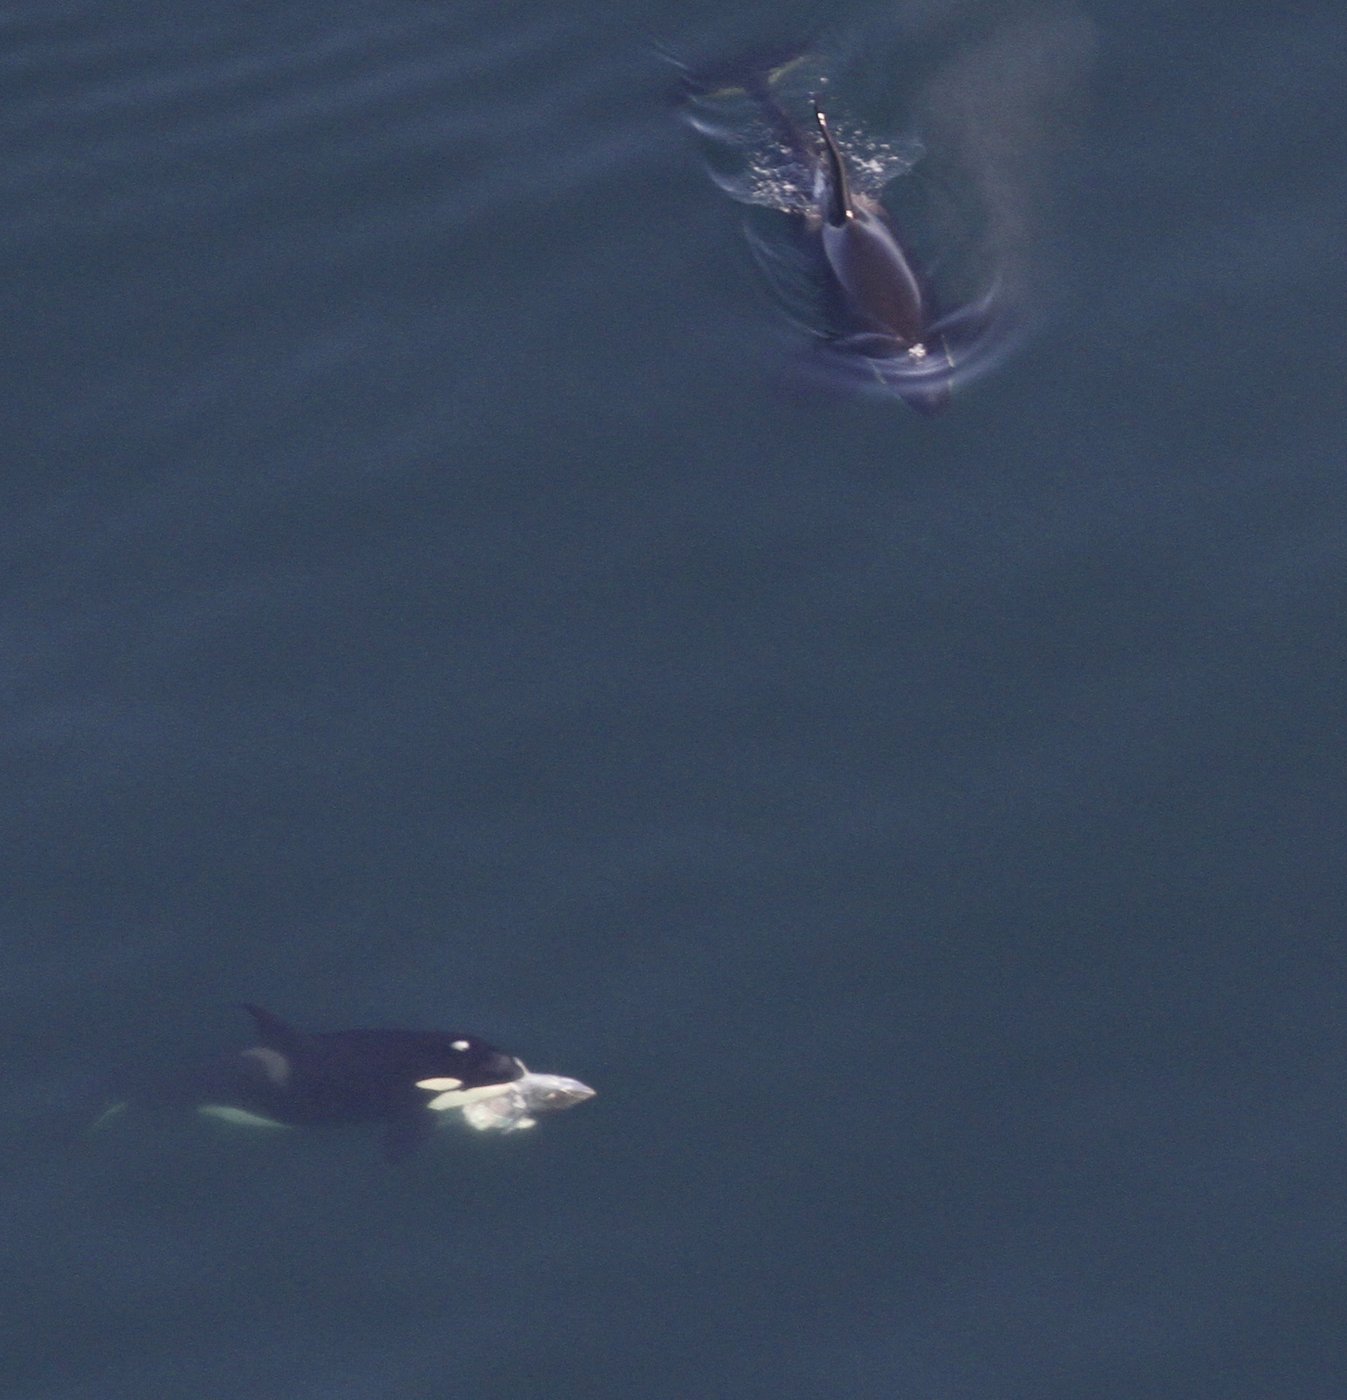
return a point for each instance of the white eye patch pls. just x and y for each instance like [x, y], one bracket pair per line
[449, 1093]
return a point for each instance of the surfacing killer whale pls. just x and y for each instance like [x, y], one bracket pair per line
[875, 317]
[885, 307]
[402, 1079]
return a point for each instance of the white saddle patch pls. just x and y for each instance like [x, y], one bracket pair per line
[274, 1065]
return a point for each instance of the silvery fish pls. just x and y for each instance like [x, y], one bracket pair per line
[506, 1108]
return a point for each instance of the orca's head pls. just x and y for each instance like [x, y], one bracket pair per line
[474, 1062]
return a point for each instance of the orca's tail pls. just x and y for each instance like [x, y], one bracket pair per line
[754, 74]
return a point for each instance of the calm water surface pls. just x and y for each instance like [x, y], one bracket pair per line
[427, 602]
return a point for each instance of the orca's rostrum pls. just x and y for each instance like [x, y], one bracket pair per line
[402, 1079]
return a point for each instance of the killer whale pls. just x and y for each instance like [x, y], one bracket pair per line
[887, 309]
[299, 1078]
[837, 262]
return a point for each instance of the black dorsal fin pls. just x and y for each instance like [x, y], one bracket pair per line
[275, 1034]
[839, 207]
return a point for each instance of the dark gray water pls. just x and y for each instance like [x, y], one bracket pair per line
[426, 603]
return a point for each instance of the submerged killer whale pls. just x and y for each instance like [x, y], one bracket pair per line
[399, 1078]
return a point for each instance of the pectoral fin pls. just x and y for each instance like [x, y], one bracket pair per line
[239, 1117]
[108, 1114]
